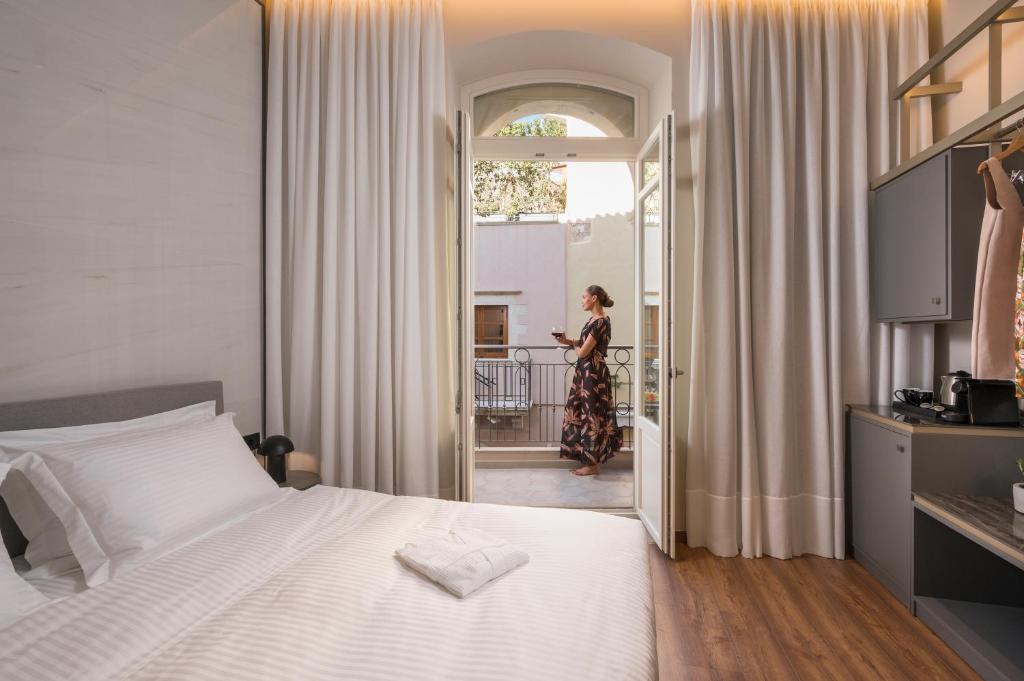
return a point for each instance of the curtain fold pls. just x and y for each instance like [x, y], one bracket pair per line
[356, 305]
[792, 117]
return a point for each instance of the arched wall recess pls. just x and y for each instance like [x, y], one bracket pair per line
[613, 113]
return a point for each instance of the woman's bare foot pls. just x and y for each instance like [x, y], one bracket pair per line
[593, 469]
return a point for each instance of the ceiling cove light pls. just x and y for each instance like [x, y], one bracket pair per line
[740, 5]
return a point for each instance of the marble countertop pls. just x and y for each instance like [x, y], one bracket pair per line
[990, 522]
[886, 415]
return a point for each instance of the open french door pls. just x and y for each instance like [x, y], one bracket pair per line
[653, 461]
[464, 400]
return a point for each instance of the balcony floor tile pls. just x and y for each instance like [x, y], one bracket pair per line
[555, 487]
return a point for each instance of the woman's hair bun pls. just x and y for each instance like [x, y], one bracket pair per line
[602, 295]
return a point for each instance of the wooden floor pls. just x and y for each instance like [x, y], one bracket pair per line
[807, 618]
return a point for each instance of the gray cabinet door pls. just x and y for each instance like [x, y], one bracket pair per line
[909, 264]
[882, 507]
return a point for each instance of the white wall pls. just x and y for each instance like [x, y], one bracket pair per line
[522, 265]
[946, 19]
[130, 197]
[601, 194]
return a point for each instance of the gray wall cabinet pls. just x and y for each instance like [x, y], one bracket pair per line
[890, 459]
[925, 227]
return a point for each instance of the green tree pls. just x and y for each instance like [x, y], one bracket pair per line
[512, 188]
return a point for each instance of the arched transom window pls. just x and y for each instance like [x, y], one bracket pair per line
[554, 109]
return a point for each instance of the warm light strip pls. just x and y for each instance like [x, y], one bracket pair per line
[398, 3]
[816, 3]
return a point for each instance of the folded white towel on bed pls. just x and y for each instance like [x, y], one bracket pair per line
[462, 561]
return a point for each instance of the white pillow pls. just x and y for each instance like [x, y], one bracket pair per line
[47, 539]
[17, 597]
[24, 440]
[130, 498]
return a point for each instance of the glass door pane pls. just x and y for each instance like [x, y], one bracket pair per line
[651, 330]
[650, 165]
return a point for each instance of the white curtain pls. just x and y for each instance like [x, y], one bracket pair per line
[791, 119]
[355, 238]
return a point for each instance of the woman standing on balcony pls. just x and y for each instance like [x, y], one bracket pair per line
[590, 431]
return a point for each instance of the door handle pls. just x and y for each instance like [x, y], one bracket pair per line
[676, 372]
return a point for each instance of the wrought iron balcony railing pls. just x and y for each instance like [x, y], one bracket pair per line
[520, 398]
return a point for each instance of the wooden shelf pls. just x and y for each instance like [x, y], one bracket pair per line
[998, 13]
[989, 523]
[961, 136]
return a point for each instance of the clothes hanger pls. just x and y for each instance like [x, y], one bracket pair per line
[1016, 144]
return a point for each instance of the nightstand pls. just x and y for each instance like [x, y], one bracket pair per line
[300, 480]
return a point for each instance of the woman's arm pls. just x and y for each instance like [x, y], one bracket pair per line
[588, 346]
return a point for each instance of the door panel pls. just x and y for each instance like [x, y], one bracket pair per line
[648, 483]
[653, 442]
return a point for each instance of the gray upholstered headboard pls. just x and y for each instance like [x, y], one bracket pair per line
[118, 405]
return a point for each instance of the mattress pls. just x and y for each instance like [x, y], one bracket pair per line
[309, 588]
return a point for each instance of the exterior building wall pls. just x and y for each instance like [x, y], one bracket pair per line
[601, 194]
[606, 259]
[522, 265]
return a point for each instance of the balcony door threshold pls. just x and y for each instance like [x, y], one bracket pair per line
[543, 457]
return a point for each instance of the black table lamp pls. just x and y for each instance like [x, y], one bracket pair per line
[274, 448]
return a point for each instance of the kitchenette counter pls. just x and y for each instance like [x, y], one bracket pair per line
[891, 455]
[931, 519]
[890, 418]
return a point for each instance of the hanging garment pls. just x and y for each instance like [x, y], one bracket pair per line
[995, 284]
[1018, 325]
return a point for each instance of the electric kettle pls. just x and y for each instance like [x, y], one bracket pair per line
[951, 394]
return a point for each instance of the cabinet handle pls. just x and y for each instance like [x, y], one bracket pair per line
[900, 448]
[936, 301]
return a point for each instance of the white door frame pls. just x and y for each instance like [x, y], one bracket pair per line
[662, 528]
[549, 149]
[465, 405]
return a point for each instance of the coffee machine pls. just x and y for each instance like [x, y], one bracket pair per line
[962, 398]
[978, 401]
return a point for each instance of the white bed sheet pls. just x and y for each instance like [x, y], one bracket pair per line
[310, 589]
[66, 583]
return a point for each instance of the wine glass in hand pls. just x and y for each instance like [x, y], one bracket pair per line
[558, 333]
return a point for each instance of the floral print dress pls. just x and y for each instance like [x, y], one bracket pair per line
[590, 431]
[1018, 326]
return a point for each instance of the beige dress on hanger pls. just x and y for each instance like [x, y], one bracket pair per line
[995, 286]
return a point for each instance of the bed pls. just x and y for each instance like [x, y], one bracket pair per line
[309, 588]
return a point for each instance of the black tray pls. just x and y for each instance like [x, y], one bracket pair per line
[948, 416]
[919, 412]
